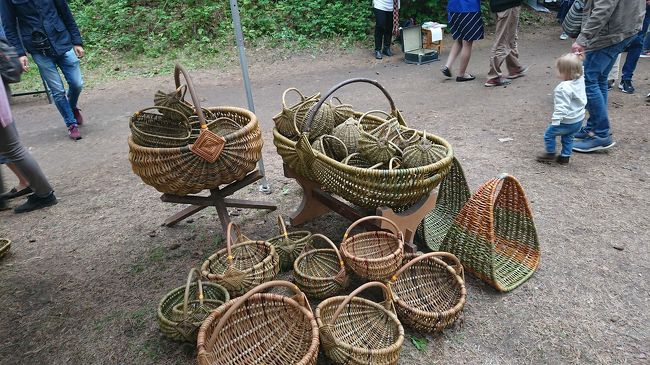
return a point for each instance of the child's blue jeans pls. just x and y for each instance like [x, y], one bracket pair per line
[565, 132]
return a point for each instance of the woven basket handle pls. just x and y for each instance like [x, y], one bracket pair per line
[240, 237]
[399, 233]
[163, 108]
[315, 108]
[299, 297]
[346, 161]
[283, 227]
[392, 162]
[331, 244]
[387, 295]
[178, 70]
[186, 298]
[458, 267]
[284, 97]
[377, 111]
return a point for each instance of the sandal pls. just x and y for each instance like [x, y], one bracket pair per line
[445, 71]
[465, 78]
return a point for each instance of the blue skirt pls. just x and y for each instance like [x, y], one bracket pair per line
[466, 26]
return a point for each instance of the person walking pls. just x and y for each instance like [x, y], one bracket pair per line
[466, 26]
[565, 5]
[386, 18]
[47, 30]
[634, 50]
[608, 27]
[505, 43]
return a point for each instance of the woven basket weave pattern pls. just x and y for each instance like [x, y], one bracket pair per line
[320, 273]
[5, 245]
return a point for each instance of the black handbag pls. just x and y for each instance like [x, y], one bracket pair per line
[572, 23]
[10, 67]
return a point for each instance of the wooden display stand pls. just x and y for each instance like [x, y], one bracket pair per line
[217, 199]
[316, 202]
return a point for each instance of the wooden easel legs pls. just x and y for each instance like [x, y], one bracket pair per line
[217, 199]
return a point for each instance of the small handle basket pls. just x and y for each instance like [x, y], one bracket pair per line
[320, 273]
[289, 245]
[495, 238]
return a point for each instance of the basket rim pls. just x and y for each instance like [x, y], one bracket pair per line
[5, 245]
[134, 126]
[457, 280]
[337, 300]
[206, 271]
[306, 235]
[297, 271]
[164, 319]
[394, 253]
[202, 336]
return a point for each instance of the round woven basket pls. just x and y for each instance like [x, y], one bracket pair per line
[174, 100]
[158, 130]
[5, 245]
[260, 328]
[423, 153]
[342, 112]
[429, 294]
[289, 245]
[182, 310]
[357, 331]
[375, 255]
[242, 266]
[284, 121]
[320, 273]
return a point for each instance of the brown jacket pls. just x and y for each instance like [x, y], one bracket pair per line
[608, 22]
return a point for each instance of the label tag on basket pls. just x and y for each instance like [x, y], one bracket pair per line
[208, 146]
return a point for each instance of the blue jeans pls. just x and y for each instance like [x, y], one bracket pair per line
[69, 65]
[566, 133]
[634, 50]
[597, 65]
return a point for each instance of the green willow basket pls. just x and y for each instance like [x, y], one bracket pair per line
[289, 245]
[494, 235]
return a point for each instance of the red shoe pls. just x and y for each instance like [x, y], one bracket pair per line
[497, 81]
[73, 132]
[78, 116]
[523, 70]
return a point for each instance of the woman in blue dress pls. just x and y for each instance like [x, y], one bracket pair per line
[466, 26]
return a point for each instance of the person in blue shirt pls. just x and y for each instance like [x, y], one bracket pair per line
[47, 30]
[466, 26]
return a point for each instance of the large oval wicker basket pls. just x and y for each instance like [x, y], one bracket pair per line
[289, 245]
[260, 328]
[358, 331]
[182, 310]
[367, 188]
[5, 245]
[375, 255]
[320, 272]
[429, 294]
[242, 266]
[180, 171]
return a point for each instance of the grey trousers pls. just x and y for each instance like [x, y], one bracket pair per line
[11, 148]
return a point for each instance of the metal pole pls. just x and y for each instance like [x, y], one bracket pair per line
[239, 36]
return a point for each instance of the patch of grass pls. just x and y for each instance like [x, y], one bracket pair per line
[157, 255]
[101, 323]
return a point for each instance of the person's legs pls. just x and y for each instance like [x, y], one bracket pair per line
[48, 69]
[512, 59]
[388, 29]
[465, 55]
[568, 132]
[499, 50]
[613, 73]
[632, 58]
[69, 65]
[22, 182]
[379, 28]
[453, 53]
[11, 147]
[549, 138]
[646, 42]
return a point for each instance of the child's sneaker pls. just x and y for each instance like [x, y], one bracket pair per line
[73, 132]
[564, 36]
[546, 157]
[563, 160]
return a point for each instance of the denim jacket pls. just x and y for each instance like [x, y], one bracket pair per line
[52, 17]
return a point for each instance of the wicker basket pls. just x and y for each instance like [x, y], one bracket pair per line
[368, 188]
[158, 130]
[453, 193]
[429, 294]
[320, 273]
[5, 245]
[349, 133]
[284, 121]
[373, 255]
[260, 328]
[179, 316]
[378, 149]
[357, 331]
[342, 112]
[496, 239]
[174, 100]
[331, 146]
[180, 171]
[242, 266]
[289, 245]
[423, 153]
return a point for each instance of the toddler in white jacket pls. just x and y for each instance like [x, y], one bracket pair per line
[570, 100]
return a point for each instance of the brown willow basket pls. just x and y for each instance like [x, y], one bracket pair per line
[174, 100]
[284, 121]
[494, 235]
[179, 316]
[289, 245]
[242, 266]
[358, 331]
[368, 188]
[320, 273]
[375, 255]
[180, 171]
[158, 130]
[453, 193]
[5, 245]
[260, 328]
[429, 294]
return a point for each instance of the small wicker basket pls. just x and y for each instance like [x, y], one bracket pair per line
[320, 273]
[5, 245]
[358, 331]
[242, 266]
[260, 328]
[289, 245]
[373, 255]
[179, 316]
[429, 294]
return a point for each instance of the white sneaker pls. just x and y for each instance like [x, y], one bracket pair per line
[564, 36]
[645, 54]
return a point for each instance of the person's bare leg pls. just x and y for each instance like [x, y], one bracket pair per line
[22, 182]
[453, 53]
[465, 55]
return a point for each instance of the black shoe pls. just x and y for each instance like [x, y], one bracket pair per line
[468, 77]
[14, 193]
[626, 86]
[378, 55]
[445, 71]
[34, 202]
[563, 160]
[546, 157]
[387, 51]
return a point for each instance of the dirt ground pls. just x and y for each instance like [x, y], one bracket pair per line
[83, 279]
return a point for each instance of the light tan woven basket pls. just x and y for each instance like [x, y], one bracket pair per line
[320, 273]
[289, 245]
